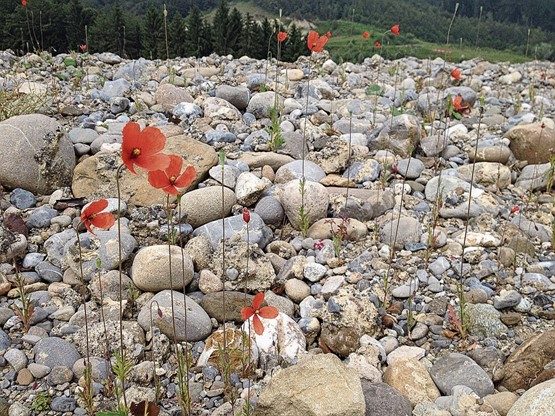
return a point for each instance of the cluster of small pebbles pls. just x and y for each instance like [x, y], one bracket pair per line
[413, 216]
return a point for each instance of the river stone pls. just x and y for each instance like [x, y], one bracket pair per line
[411, 378]
[213, 304]
[168, 96]
[198, 325]
[204, 205]
[260, 104]
[527, 363]
[238, 96]
[313, 386]
[151, 268]
[486, 174]
[54, 351]
[383, 400]
[327, 227]
[401, 135]
[538, 401]
[457, 369]
[533, 177]
[531, 142]
[484, 320]
[315, 202]
[293, 170]
[218, 109]
[401, 231]
[37, 155]
[94, 177]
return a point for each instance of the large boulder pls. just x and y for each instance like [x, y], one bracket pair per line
[36, 154]
[319, 385]
[531, 142]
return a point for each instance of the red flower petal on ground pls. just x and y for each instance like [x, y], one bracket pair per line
[256, 312]
[377, 44]
[171, 178]
[93, 215]
[142, 148]
[246, 215]
[395, 29]
[365, 35]
[281, 36]
[316, 42]
[456, 73]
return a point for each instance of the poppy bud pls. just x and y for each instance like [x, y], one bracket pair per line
[246, 215]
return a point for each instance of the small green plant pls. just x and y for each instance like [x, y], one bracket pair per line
[26, 310]
[183, 395]
[42, 401]
[12, 103]
[87, 392]
[551, 170]
[338, 233]
[303, 220]
[276, 138]
[122, 367]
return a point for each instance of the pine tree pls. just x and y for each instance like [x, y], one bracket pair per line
[221, 28]
[153, 33]
[194, 33]
[177, 35]
[248, 36]
[234, 30]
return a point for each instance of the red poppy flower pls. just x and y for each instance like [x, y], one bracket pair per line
[92, 215]
[83, 48]
[267, 312]
[457, 103]
[328, 34]
[365, 35]
[516, 208]
[395, 29]
[24, 3]
[316, 42]
[246, 215]
[378, 44]
[281, 36]
[142, 148]
[171, 178]
[456, 73]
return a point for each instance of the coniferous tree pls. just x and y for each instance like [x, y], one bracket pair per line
[295, 45]
[177, 35]
[221, 29]
[234, 30]
[248, 36]
[194, 33]
[153, 33]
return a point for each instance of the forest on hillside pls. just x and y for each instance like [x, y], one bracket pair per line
[139, 28]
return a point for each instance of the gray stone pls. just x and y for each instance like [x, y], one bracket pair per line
[40, 217]
[507, 299]
[293, 170]
[410, 168]
[270, 210]
[234, 226]
[230, 174]
[16, 358]
[22, 199]
[237, 96]
[401, 135]
[533, 177]
[151, 268]
[401, 232]
[383, 400]
[63, 404]
[4, 339]
[483, 320]
[37, 155]
[54, 351]
[59, 375]
[260, 103]
[48, 272]
[117, 88]
[459, 370]
[213, 303]
[204, 205]
[313, 386]
[82, 136]
[198, 325]
[315, 202]
[538, 401]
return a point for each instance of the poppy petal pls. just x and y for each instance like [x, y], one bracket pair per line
[311, 39]
[153, 140]
[268, 312]
[172, 190]
[257, 301]
[174, 168]
[257, 324]
[158, 161]
[158, 179]
[88, 226]
[186, 178]
[103, 220]
[131, 140]
[94, 208]
[321, 43]
[247, 312]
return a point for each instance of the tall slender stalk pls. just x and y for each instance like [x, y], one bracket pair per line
[451, 23]
[478, 27]
[222, 214]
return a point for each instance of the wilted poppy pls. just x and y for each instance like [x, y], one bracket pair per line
[142, 148]
[281, 36]
[378, 44]
[456, 73]
[93, 215]
[267, 312]
[246, 215]
[365, 35]
[316, 42]
[395, 29]
[171, 178]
